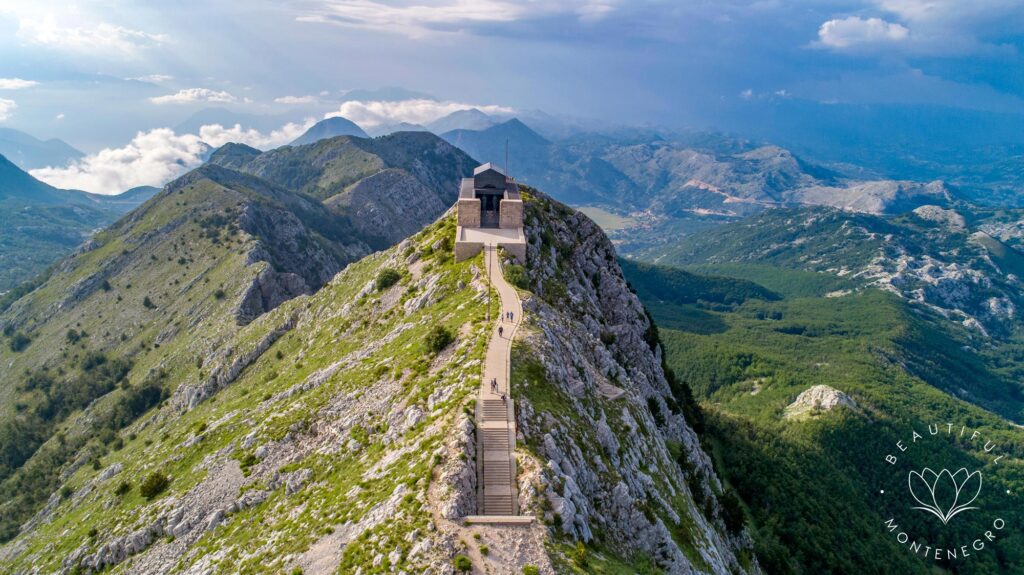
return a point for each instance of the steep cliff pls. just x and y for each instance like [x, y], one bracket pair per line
[610, 456]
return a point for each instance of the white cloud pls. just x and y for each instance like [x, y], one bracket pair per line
[956, 27]
[59, 116]
[853, 31]
[153, 78]
[98, 37]
[295, 100]
[151, 159]
[375, 113]
[217, 135]
[16, 83]
[6, 108]
[190, 95]
[420, 20]
[158, 156]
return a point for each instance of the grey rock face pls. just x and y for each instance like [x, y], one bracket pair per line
[391, 204]
[594, 342]
[458, 473]
[188, 396]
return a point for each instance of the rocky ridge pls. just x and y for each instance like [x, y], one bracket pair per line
[625, 469]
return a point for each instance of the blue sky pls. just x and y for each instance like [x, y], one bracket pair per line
[96, 73]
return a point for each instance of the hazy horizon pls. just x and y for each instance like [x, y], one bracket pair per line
[113, 77]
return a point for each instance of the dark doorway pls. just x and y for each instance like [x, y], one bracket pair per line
[490, 205]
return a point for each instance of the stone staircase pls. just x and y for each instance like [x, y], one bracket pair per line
[495, 417]
[498, 465]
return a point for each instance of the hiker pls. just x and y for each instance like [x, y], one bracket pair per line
[511, 316]
[494, 385]
[500, 330]
[503, 398]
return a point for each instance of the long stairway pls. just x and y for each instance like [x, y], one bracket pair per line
[495, 417]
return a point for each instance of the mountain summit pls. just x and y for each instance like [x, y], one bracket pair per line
[330, 128]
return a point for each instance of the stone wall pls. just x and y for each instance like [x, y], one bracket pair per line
[469, 212]
[466, 250]
[511, 213]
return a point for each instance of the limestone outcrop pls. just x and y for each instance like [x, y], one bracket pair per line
[818, 398]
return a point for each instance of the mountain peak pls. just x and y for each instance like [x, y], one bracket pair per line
[29, 152]
[330, 128]
[471, 119]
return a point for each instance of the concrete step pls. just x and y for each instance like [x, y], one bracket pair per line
[499, 519]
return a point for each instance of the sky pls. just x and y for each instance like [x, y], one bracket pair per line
[115, 78]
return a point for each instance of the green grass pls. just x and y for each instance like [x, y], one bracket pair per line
[324, 335]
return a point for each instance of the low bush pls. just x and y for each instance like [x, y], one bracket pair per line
[463, 564]
[19, 342]
[386, 278]
[154, 485]
[439, 338]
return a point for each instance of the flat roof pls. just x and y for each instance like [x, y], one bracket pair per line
[467, 191]
[492, 235]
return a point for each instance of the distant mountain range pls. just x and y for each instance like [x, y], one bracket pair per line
[385, 129]
[669, 183]
[40, 223]
[963, 262]
[29, 152]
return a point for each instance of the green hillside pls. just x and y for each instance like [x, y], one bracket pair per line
[381, 351]
[820, 474]
[39, 224]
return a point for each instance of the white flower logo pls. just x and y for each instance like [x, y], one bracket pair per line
[944, 494]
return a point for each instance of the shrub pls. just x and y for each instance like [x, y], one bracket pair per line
[219, 294]
[247, 461]
[122, 489]
[530, 570]
[154, 485]
[485, 550]
[19, 341]
[386, 278]
[463, 564]
[515, 274]
[579, 554]
[148, 303]
[439, 338]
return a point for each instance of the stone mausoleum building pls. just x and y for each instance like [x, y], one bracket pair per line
[490, 211]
